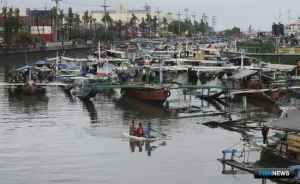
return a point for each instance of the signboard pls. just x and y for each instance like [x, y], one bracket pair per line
[41, 30]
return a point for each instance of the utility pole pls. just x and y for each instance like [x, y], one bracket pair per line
[179, 22]
[105, 6]
[55, 36]
[213, 22]
[204, 18]
[158, 12]
[194, 23]
[186, 15]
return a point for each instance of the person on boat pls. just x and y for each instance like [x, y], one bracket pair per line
[140, 131]
[132, 128]
[148, 131]
[265, 131]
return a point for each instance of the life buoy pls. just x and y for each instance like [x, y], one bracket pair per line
[167, 93]
[281, 94]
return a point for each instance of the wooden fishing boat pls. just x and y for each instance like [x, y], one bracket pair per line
[126, 134]
[149, 95]
[29, 87]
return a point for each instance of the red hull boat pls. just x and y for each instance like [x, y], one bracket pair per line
[153, 96]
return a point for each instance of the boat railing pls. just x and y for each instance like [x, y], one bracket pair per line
[250, 49]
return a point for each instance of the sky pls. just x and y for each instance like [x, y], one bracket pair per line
[260, 14]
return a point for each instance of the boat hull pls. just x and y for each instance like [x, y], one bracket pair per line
[263, 96]
[29, 88]
[126, 134]
[153, 96]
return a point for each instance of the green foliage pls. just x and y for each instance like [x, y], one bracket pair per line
[12, 23]
[24, 37]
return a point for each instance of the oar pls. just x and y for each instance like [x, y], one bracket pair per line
[163, 134]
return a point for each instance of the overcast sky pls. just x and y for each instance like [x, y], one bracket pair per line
[260, 14]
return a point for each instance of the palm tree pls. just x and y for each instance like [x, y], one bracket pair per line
[107, 19]
[61, 16]
[77, 22]
[70, 19]
[53, 15]
[119, 25]
[133, 19]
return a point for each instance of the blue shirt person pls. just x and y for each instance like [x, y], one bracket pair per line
[148, 131]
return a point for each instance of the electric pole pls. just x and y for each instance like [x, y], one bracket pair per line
[55, 32]
[213, 22]
[179, 22]
[194, 23]
[105, 6]
[186, 15]
[158, 12]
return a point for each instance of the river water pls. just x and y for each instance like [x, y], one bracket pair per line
[56, 138]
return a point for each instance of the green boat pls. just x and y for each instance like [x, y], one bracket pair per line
[266, 52]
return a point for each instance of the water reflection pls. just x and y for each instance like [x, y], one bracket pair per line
[90, 107]
[131, 105]
[19, 99]
[148, 147]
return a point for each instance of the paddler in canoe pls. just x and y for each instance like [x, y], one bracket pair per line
[148, 131]
[140, 131]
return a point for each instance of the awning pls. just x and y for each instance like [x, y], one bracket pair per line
[280, 66]
[243, 73]
[42, 62]
[290, 122]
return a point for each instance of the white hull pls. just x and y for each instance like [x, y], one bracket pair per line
[126, 134]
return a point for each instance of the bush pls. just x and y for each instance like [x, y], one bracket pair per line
[24, 37]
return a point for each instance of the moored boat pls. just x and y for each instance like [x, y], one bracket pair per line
[149, 95]
[127, 135]
[29, 87]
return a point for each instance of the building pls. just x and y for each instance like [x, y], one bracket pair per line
[124, 14]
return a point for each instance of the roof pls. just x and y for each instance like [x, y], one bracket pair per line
[280, 66]
[243, 73]
[291, 122]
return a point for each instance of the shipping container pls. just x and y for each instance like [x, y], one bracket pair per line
[41, 30]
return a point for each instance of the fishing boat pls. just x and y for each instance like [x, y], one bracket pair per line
[149, 95]
[127, 135]
[255, 85]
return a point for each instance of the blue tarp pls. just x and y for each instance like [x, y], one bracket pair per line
[23, 68]
[42, 62]
[243, 73]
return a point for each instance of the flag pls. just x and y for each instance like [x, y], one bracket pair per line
[186, 32]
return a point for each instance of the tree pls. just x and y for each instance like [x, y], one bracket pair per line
[143, 24]
[119, 25]
[61, 16]
[12, 24]
[77, 22]
[24, 37]
[70, 19]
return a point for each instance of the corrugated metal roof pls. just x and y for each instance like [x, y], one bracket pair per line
[291, 122]
[281, 67]
[243, 73]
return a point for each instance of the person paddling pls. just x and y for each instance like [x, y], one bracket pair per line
[148, 131]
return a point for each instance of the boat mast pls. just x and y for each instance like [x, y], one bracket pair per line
[160, 72]
[56, 68]
[99, 51]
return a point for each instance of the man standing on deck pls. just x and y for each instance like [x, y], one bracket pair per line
[148, 131]
[265, 131]
[140, 131]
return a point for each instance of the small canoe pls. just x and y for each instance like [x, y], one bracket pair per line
[126, 134]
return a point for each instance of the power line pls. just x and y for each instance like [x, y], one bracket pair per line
[79, 4]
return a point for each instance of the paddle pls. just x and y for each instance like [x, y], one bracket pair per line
[163, 134]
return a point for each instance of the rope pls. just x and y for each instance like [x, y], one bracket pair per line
[273, 100]
[241, 141]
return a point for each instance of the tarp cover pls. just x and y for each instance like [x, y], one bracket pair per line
[243, 73]
[290, 122]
